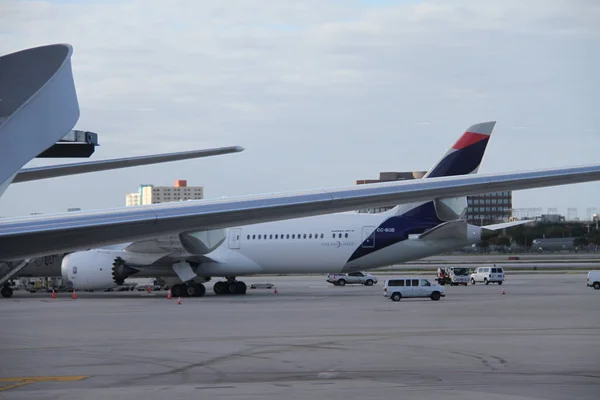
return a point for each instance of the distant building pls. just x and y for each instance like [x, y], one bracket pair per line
[132, 199]
[150, 194]
[482, 209]
[489, 208]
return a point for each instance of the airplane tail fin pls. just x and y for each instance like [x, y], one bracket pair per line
[463, 158]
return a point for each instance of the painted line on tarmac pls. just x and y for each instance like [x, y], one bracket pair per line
[27, 380]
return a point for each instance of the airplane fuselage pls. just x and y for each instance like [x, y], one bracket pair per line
[332, 243]
[342, 242]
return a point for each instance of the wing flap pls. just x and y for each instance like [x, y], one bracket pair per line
[34, 236]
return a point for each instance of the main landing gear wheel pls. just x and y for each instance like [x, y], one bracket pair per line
[191, 289]
[230, 287]
[6, 292]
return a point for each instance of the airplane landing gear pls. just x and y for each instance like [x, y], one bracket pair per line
[190, 289]
[6, 291]
[231, 286]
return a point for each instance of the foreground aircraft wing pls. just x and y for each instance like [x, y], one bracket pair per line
[53, 171]
[31, 236]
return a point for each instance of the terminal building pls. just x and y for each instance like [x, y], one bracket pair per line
[150, 194]
[482, 209]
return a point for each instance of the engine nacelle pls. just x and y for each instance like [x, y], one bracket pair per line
[95, 269]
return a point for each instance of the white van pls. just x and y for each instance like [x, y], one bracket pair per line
[408, 287]
[488, 275]
[593, 279]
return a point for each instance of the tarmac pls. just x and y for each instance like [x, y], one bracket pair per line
[540, 340]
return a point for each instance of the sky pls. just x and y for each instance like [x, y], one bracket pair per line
[320, 93]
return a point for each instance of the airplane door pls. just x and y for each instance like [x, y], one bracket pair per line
[235, 236]
[368, 236]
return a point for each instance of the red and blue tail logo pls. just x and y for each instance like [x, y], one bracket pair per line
[465, 156]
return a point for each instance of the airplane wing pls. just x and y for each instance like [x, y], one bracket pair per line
[25, 237]
[451, 229]
[53, 171]
[504, 225]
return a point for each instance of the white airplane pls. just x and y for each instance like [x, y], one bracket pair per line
[42, 111]
[343, 242]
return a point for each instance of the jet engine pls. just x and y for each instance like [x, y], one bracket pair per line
[95, 269]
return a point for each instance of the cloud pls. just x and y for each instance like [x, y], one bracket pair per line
[319, 93]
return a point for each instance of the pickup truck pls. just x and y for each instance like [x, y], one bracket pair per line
[361, 278]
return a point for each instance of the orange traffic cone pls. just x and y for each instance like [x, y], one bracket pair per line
[74, 295]
[179, 300]
[169, 295]
[503, 291]
[275, 291]
[53, 294]
[148, 289]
